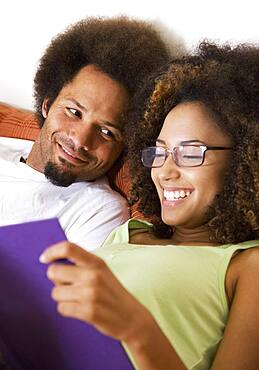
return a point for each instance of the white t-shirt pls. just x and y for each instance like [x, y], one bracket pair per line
[87, 211]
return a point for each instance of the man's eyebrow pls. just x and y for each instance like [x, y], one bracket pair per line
[74, 101]
[80, 106]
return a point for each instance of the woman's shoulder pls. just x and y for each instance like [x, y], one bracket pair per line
[241, 336]
[245, 260]
[122, 234]
[242, 265]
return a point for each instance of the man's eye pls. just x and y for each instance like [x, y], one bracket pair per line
[75, 112]
[107, 133]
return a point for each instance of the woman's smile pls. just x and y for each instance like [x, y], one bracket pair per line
[175, 196]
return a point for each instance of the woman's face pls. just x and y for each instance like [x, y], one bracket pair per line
[186, 192]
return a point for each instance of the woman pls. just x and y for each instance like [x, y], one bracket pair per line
[183, 293]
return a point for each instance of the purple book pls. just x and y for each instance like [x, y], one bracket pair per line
[33, 336]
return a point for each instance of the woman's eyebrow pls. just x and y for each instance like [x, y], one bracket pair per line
[191, 141]
[159, 141]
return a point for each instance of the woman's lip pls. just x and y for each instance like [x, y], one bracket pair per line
[178, 201]
[172, 203]
[166, 188]
[69, 155]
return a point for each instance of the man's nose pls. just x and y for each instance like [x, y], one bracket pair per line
[85, 135]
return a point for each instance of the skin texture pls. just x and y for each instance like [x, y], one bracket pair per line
[81, 135]
[89, 291]
[190, 122]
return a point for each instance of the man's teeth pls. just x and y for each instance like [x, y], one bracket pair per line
[65, 150]
[173, 195]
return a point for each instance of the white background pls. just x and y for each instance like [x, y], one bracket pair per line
[26, 28]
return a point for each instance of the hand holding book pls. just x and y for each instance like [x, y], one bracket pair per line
[32, 334]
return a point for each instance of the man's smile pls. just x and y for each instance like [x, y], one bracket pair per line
[70, 155]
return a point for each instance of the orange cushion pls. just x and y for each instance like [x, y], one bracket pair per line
[22, 124]
[18, 123]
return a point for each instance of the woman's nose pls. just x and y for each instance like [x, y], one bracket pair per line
[169, 170]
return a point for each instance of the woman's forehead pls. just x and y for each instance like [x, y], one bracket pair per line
[191, 121]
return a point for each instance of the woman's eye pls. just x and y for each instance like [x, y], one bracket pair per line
[107, 133]
[75, 112]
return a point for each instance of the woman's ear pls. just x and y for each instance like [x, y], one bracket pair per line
[45, 108]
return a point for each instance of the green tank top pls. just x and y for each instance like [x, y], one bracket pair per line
[182, 286]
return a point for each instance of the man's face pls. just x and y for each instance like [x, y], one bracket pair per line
[81, 136]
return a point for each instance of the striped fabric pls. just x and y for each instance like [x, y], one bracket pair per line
[20, 123]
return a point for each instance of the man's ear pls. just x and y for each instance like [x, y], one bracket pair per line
[45, 108]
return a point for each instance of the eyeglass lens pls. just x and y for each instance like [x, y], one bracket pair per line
[184, 155]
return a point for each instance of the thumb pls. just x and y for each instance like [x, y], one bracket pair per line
[68, 251]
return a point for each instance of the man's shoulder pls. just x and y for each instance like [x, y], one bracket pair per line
[10, 148]
[14, 142]
[101, 192]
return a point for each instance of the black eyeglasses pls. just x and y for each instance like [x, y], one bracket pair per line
[183, 155]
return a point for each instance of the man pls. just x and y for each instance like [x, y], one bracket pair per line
[84, 83]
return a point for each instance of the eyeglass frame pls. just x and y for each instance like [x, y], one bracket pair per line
[172, 152]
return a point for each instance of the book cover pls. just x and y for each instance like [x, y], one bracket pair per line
[33, 336]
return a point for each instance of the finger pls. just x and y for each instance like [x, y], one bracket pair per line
[72, 309]
[69, 251]
[64, 274]
[68, 293]
[84, 313]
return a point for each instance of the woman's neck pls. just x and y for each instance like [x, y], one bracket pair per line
[196, 236]
[193, 237]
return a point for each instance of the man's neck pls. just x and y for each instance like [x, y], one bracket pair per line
[34, 157]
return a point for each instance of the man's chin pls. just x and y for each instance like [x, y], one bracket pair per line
[57, 176]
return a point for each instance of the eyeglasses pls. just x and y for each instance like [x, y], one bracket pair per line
[183, 155]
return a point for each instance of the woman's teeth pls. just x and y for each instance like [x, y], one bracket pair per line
[174, 195]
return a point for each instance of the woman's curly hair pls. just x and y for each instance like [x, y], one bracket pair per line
[226, 80]
[126, 49]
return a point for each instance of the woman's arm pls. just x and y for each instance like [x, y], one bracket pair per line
[89, 291]
[239, 347]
